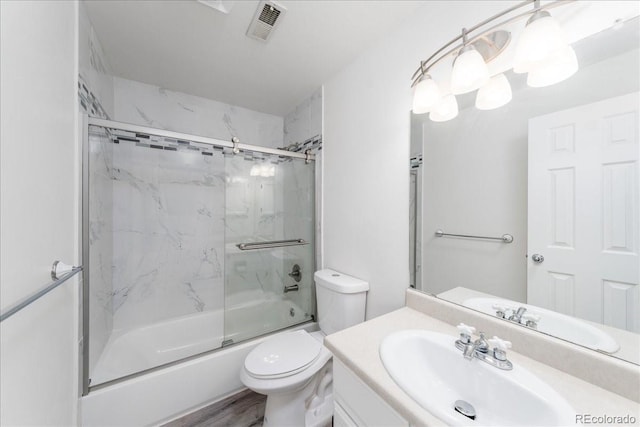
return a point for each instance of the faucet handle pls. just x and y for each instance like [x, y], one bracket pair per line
[499, 344]
[531, 317]
[500, 347]
[465, 332]
[466, 329]
[531, 320]
[501, 309]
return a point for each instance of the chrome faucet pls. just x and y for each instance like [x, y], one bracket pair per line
[480, 348]
[480, 345]
[516, 316]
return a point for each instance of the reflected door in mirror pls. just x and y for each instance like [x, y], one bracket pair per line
[583, 212]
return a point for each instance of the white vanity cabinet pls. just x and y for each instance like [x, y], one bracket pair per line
[355, 404]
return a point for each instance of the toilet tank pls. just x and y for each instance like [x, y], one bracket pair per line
[342, 300]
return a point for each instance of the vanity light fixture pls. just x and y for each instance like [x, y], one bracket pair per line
[469, 69]
[446, 109]
[426, 95]
[542, 51]
[560, 66]
[541, 38]
[495, 93]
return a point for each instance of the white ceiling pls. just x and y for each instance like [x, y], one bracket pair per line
[188, 47]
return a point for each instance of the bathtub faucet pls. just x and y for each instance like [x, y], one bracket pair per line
[290, 288]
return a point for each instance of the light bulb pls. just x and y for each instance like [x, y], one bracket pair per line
[555, 69]
[425, 95]
[444, 110]
[541, 38]
[469, 71]
[494, 94]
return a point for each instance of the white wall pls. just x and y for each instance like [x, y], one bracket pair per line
[366, 150]
[39, 210]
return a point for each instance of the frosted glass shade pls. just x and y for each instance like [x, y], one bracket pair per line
[555, 69]
[495, 93]
[445, 110]
[539, 40]
[426, 95]
[469, 71]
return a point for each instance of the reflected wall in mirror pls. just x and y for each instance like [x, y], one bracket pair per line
[556, 168]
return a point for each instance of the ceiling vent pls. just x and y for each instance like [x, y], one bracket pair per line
[267, 17]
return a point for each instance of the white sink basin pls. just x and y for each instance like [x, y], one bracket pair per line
[429, 368]
[552, 323]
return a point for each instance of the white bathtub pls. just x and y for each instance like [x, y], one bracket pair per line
[135, 350]
[166, 393]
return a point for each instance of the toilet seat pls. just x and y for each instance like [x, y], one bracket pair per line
[283, 356]
[286, 382]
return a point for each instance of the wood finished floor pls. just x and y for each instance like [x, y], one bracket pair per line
[245, 409]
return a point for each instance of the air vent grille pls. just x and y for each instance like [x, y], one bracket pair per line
[268, 15]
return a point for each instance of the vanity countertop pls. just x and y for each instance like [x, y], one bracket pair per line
[358, 348]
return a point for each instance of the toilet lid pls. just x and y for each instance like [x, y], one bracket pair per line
[283, 355]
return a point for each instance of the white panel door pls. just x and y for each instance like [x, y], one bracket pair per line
[583, 212]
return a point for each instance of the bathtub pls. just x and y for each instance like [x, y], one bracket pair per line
[179, 388]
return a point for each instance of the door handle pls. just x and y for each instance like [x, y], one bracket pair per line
[537, 258]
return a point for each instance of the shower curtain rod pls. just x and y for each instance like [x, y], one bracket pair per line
[110, 124]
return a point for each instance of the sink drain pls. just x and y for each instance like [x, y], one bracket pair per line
[465, 408]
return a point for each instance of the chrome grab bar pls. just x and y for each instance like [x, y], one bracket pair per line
[505, 238]
[35, 296]
[271, 244]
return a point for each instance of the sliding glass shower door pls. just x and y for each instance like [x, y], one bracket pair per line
[188, 247]
[269, 244]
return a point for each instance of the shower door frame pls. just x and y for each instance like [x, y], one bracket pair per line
[87, 121]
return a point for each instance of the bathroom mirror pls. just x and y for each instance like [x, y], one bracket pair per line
[521, 170]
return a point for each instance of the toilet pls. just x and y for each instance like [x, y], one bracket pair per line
[294, 369]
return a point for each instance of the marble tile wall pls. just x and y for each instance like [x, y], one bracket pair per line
[305, 121]
[168, 234]
[95, 74]
[152, 106]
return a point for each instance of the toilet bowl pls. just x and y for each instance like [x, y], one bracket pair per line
[294, 369]
[289, 369]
